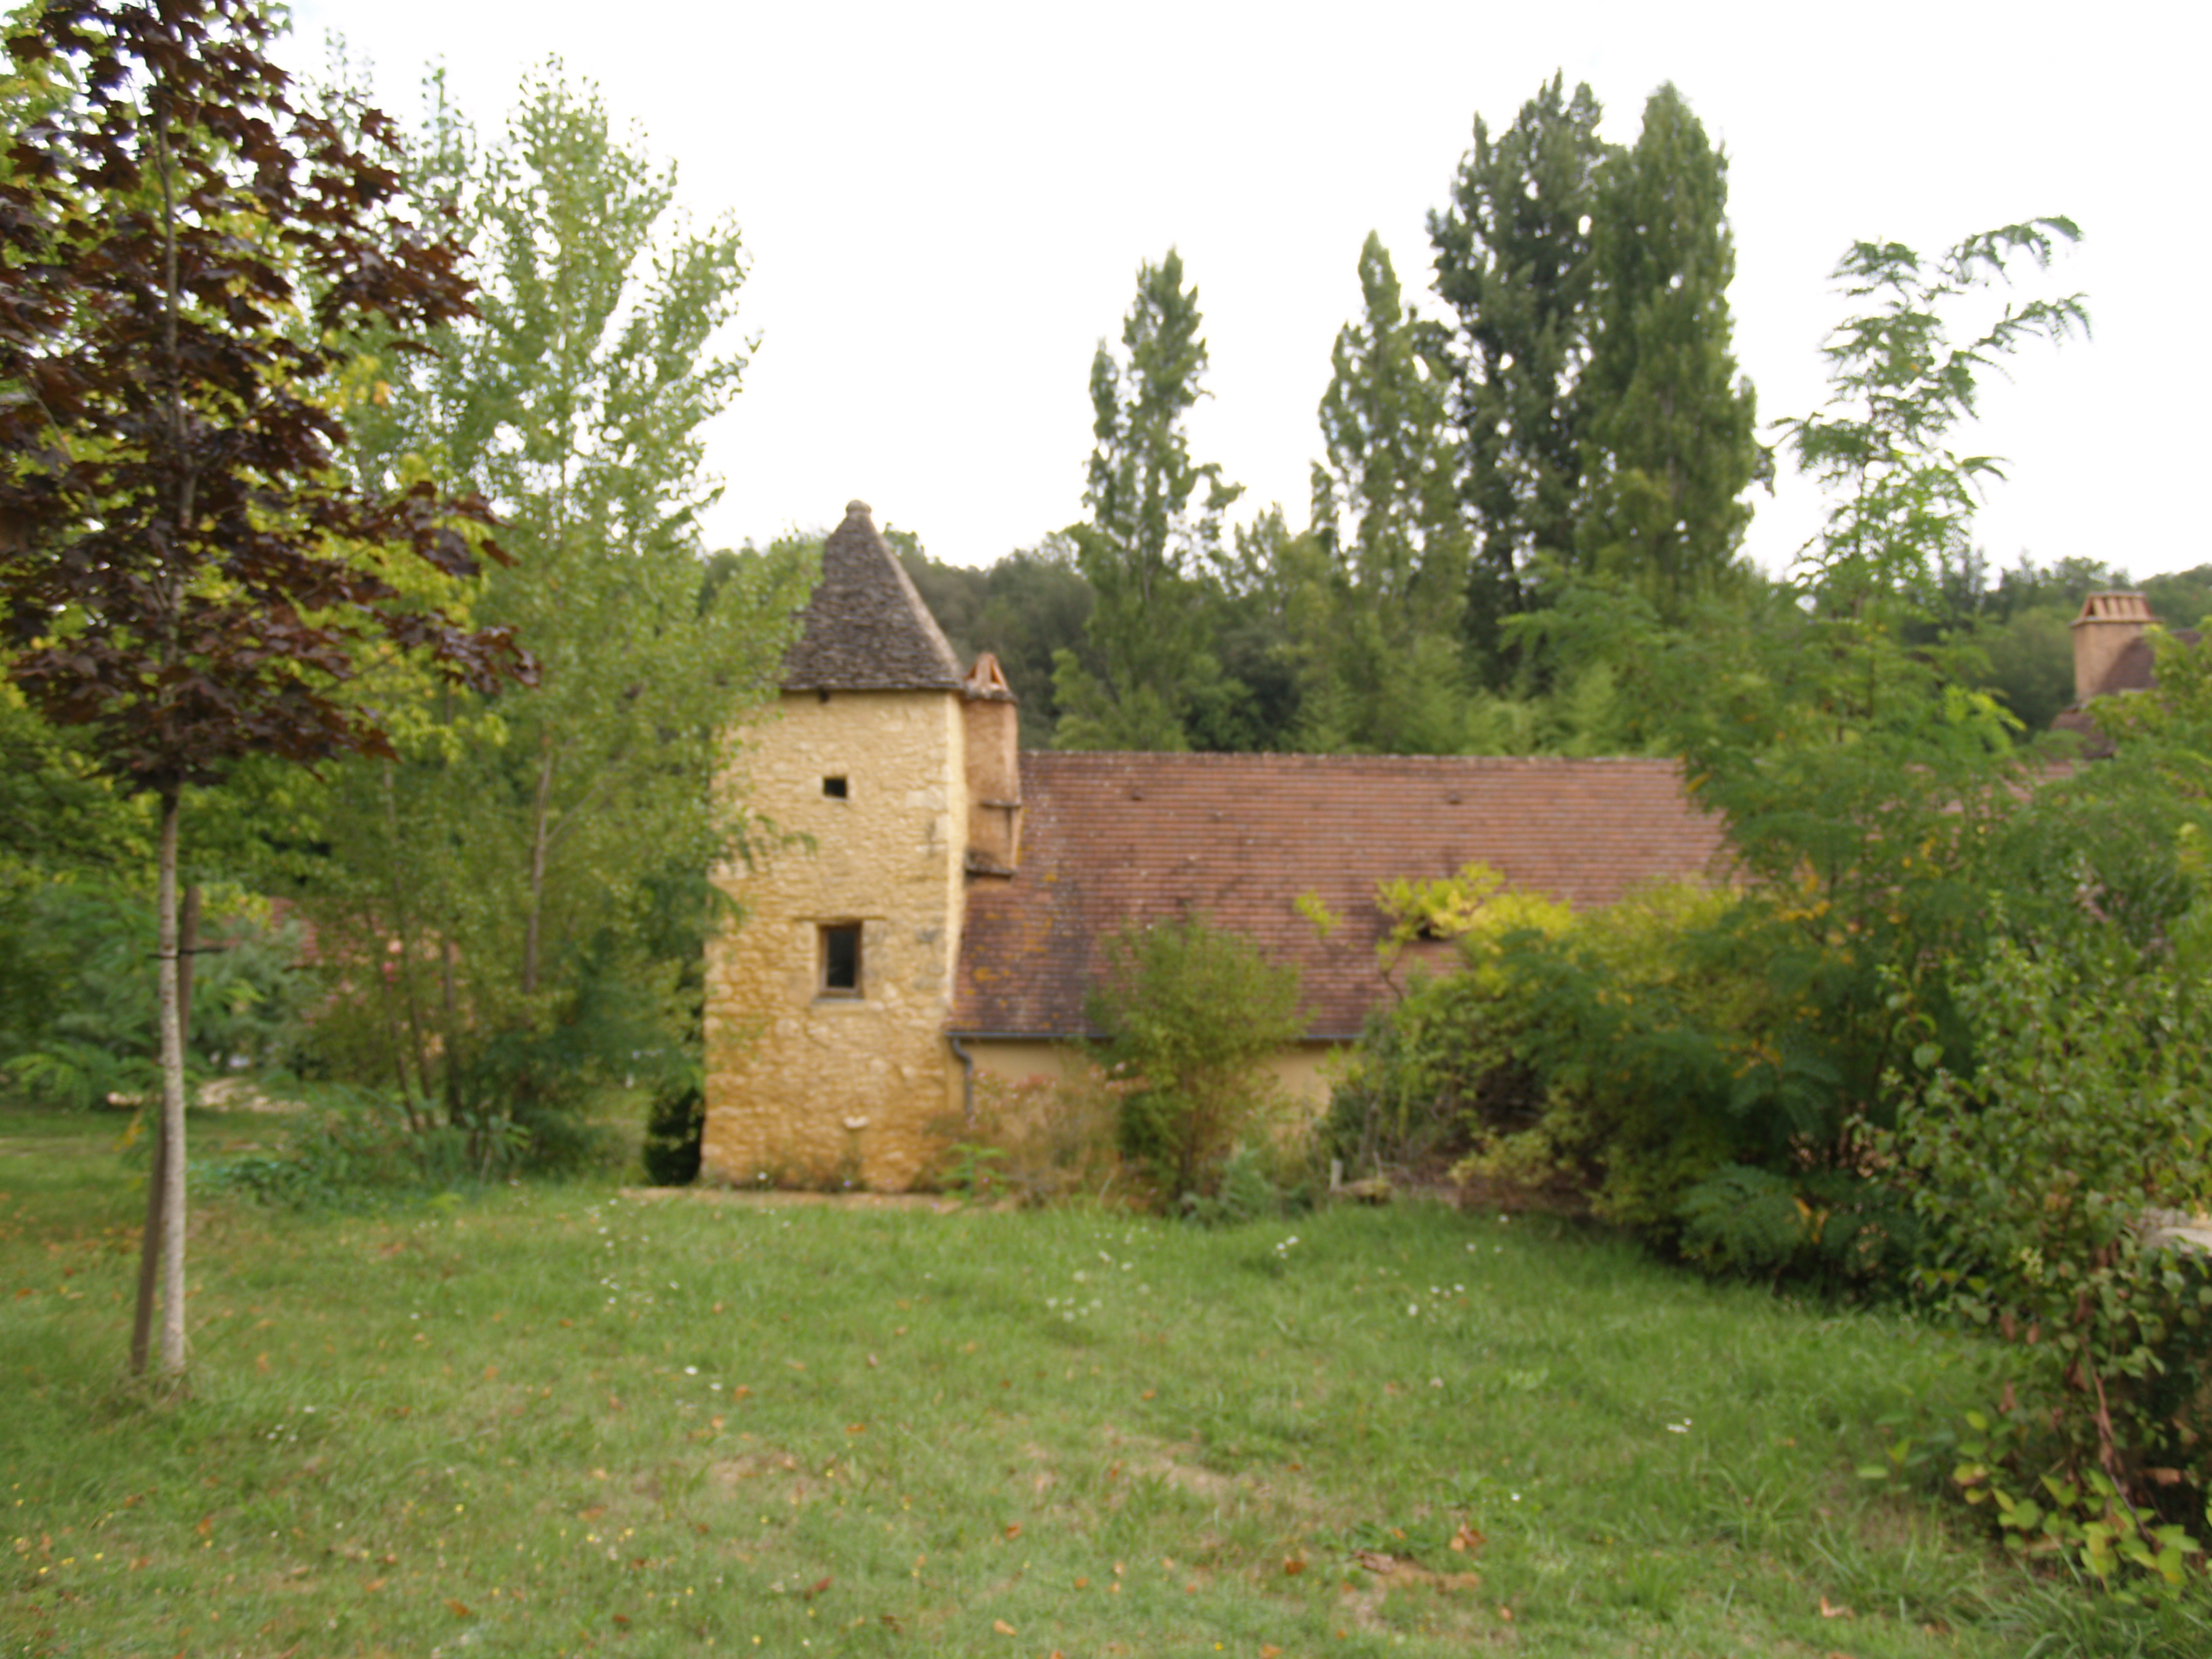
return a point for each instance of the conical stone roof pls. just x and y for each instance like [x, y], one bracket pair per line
[865, 628]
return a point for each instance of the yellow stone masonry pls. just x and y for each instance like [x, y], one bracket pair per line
[809, 1086]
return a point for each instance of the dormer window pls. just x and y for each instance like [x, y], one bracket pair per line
[838, 959]
[835, 789]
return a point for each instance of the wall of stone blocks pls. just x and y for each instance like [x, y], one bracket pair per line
[808, 1088]
[1304, 1072]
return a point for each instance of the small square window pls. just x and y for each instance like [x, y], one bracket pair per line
[835, 788]
[840, 953]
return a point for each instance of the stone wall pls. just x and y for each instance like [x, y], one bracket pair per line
[812, 1087]
[1303, 1071]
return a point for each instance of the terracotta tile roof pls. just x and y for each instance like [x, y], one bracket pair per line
[865, 628]
[1108, 839]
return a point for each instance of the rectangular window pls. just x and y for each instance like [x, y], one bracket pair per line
[833, 787]
[840, 958]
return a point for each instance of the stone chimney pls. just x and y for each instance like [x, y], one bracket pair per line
[2108, 625]
[995, 770]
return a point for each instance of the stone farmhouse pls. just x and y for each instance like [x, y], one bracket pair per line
[939, 900]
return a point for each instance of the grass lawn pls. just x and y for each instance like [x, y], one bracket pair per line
[560, 1419]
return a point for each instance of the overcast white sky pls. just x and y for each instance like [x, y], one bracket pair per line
[946, 206]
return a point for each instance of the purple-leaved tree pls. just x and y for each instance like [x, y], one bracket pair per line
[185, 250]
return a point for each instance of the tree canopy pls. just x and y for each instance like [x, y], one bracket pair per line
[188, 579]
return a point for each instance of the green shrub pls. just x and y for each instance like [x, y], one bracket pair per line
[1429, 1071]
[2042, 1179]
[1260, 1181]
[1832, 1226]
[1662, 1063]
[1038, 1139]
[356, 1148]
[675, 1134]
[1191, 1014]
[79, 1029]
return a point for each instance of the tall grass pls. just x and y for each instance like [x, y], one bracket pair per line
[555, 1420]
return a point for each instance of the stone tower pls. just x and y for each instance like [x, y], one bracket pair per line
[826, 1056]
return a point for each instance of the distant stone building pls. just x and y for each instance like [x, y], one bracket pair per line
[2112, 655]
[939, 900]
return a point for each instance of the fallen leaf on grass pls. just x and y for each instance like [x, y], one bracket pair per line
[1467, 1539]
[1269, 1650]
[1375, 1561]
[1293, 1565]
[1002, 1627]
[1013, 1531]
[622, 1619]
[459, 1609]
[375, 1584]
[1829, 1610]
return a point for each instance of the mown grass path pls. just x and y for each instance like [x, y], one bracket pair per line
[561, 1421]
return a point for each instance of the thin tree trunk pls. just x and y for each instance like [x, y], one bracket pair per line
[537, 850]
[173, 1105]
[400, 920]
[157, 1188]
[451, 1029]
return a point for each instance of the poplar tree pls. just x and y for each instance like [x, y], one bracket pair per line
[541, 863]
[1667, 424]
[1379, 623]
[1154, 532]
[1514, 261]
